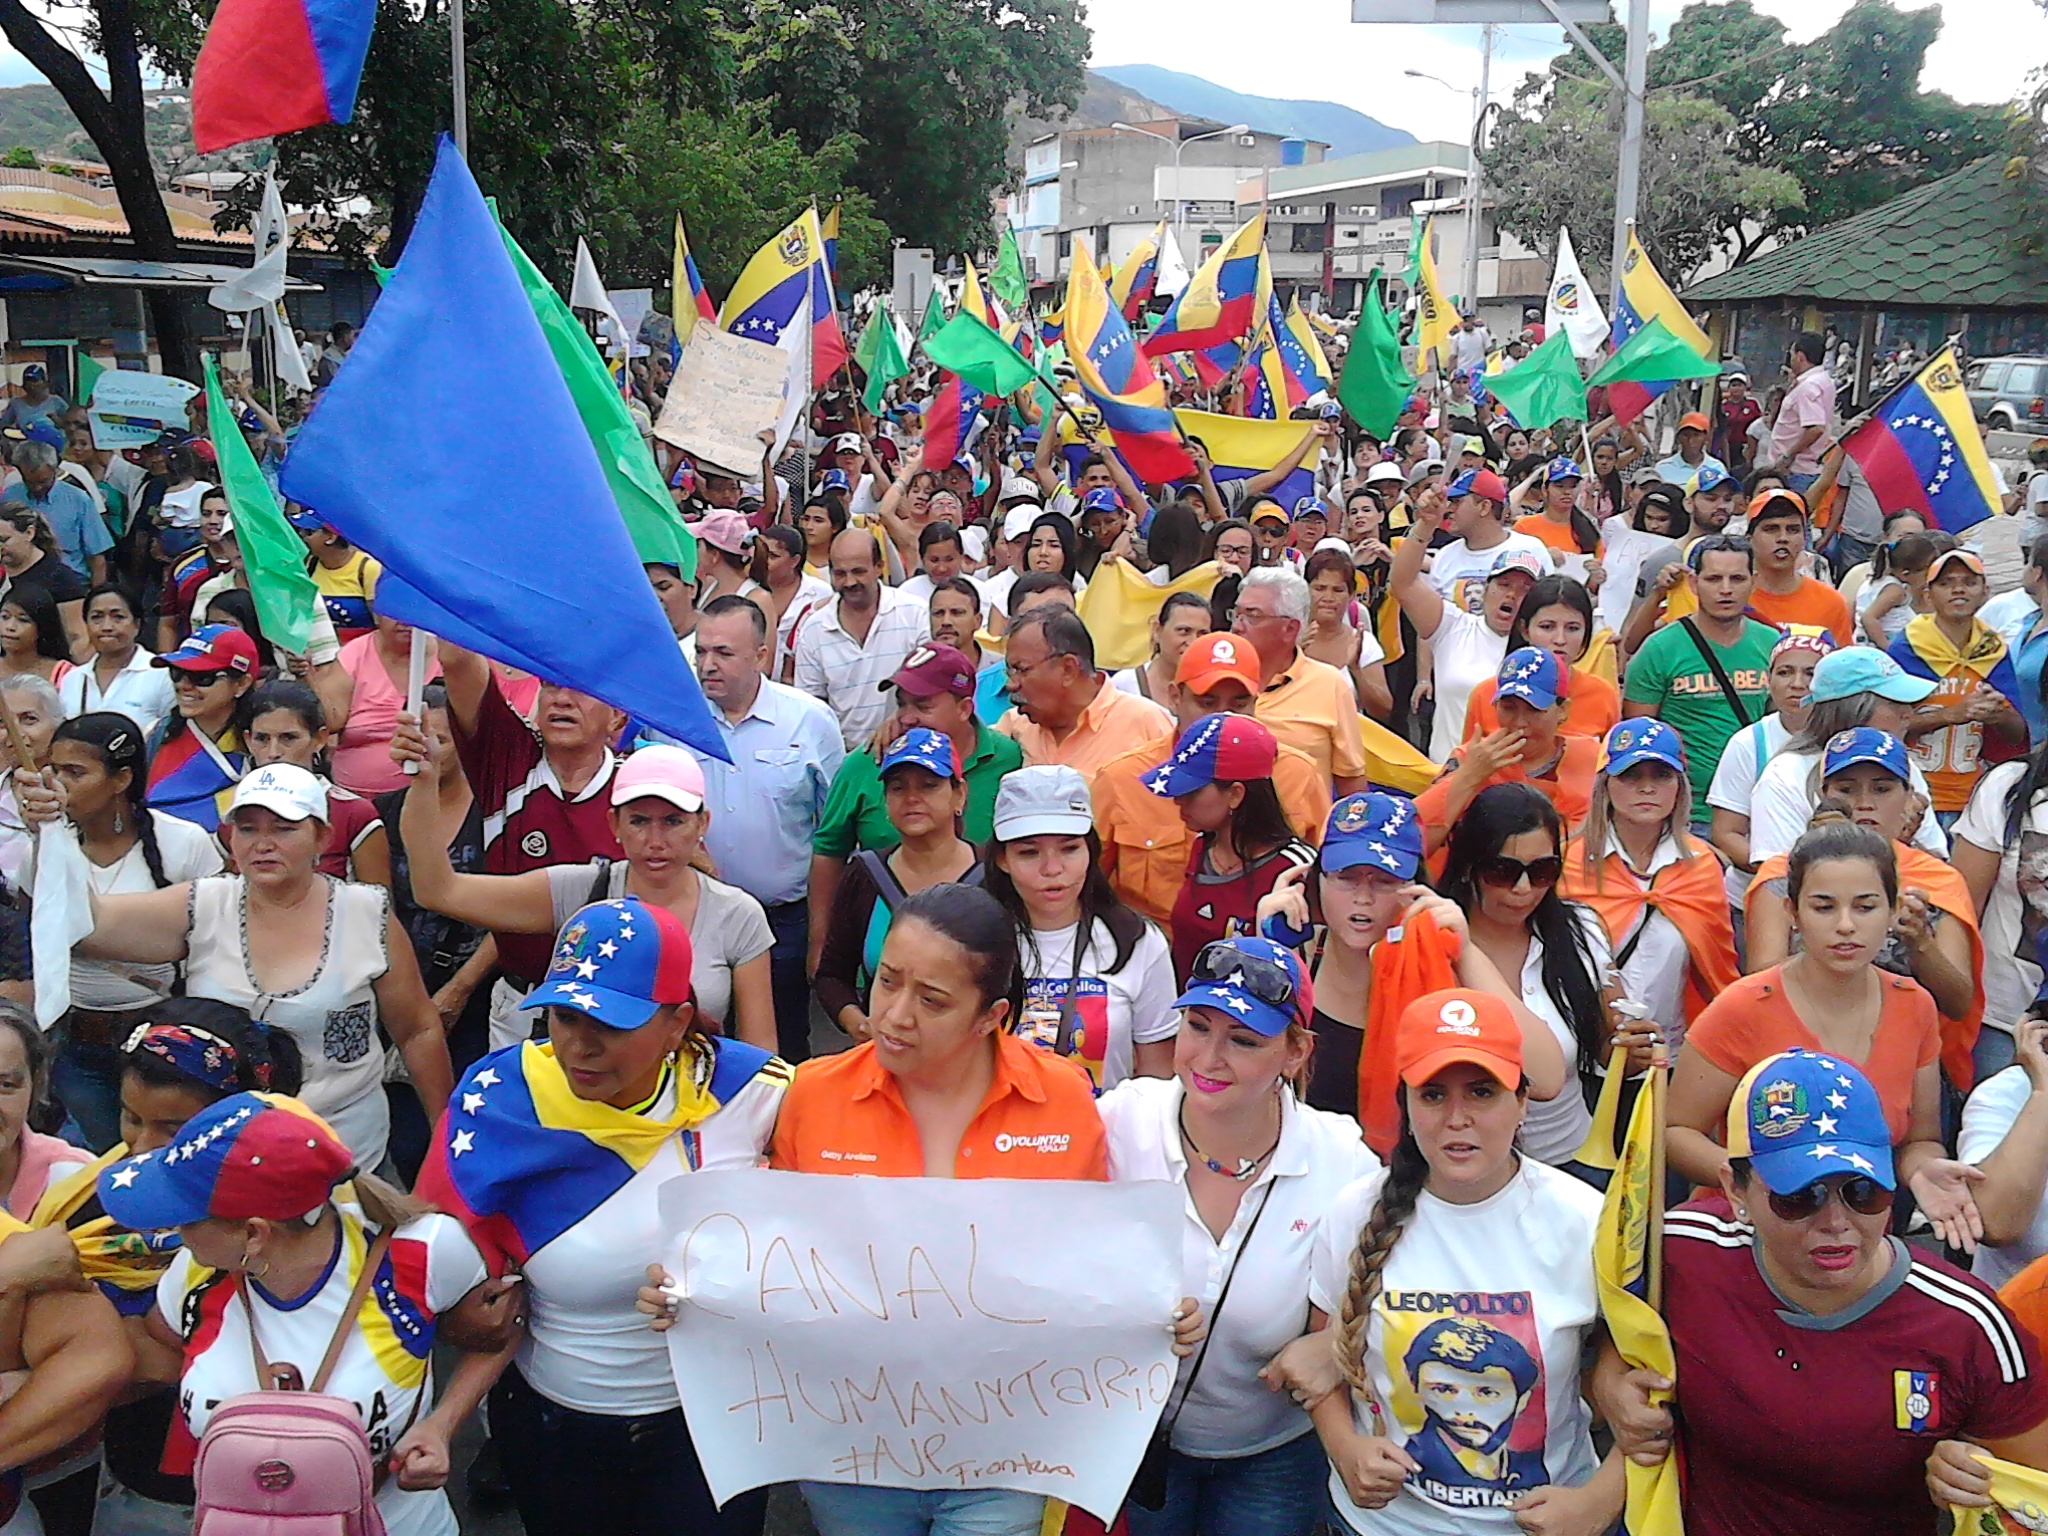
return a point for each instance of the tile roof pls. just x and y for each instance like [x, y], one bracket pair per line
[1951, 244]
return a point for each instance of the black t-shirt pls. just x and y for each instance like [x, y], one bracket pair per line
[1333, 1070]
[55, 577]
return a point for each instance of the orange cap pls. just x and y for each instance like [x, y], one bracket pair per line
[1763, 499]
[1457, 1024]
[1697, 420]
[1214, 657]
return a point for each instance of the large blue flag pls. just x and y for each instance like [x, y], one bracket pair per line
[531, 566]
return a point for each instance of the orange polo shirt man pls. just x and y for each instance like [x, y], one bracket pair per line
[1053, 678]
[1145, 844]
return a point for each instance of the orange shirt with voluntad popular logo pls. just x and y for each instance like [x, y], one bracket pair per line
[845, 1114]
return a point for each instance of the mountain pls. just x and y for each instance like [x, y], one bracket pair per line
[1346, 131]
[34, 117]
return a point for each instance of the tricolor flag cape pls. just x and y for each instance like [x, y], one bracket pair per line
[193, 776]
[520, 1159]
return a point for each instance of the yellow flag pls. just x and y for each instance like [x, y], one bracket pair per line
[1120, 605]
[1394, 761]
[2019, 1502]
[1628, 1257]
[1435, 318]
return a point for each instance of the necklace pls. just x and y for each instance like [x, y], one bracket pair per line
[1246, 1166]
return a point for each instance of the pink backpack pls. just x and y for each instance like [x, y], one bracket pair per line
[290, 1461]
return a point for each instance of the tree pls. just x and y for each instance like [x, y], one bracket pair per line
[20, 157]
[1558, 169]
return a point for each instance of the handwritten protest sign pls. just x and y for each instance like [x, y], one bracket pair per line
[129, 407]
[923, 1333]
[726, 392]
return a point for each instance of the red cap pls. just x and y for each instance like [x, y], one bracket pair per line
[931, 670]
[1457, 1024]
[1211, 658]
[214, 648]
[1697, 420]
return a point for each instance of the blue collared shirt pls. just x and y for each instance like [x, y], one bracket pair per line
[81, 531]
[765, 803]
[2017, 619]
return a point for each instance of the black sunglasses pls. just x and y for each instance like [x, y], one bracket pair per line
[201, 679]
[1864, 1196]
[1502, 871]
[1223, 964]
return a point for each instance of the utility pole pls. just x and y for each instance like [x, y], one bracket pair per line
[1629, 175]
[1475, 178]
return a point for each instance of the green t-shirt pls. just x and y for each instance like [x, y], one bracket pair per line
[1670, 673]
[854, 816]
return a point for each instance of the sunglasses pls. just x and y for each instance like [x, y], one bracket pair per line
[1507, 873]
[1717, 544]
[1864, 1196]
[202, 679]
[1223, 964]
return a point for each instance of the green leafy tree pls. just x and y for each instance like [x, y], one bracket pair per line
[20, 157]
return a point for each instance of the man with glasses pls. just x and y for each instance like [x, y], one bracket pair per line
[1705, 674]
[1067, 710]
[1307, 704]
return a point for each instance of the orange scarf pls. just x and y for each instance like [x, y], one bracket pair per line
[1944, 889]
[1688, 892]
[1403, 969]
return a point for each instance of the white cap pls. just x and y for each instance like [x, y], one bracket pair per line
[1384, 471]
[1046, 800]
[1018, 488]
[1018, 520]
[1332, 542]
[285, 789]
[845, 441]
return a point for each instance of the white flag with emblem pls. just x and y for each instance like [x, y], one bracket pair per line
[1572, 304]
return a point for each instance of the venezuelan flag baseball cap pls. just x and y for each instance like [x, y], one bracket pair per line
[1230, 747]
[1380, 831]
[1477, 482]
[1250, 981]
[1802, 1115]
[1562, 469]
[618, 961]
[213, 648]
[922, 748]
[1845, 749]
[251, 1154]
[1532, 675]
[1643, 741]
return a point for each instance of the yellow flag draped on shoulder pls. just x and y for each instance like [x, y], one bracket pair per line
[1628, 1258]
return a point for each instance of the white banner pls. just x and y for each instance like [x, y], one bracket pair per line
[923, 1333]
[727, 390]
[130, 408]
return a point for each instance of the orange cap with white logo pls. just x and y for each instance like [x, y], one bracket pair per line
[1457, 1024]
[1214, 657]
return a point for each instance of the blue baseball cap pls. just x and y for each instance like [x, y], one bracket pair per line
[1711, 477]
[1846, 749]
[1562, 468]
[251, 1154]
[1643, 741]
[1250, 981]
[306, 520]
[1379, 830]
[1312, 506]
[922, 748]
[1527, 561]
[42, 431]
[834, 480]
[1865, 669]
[1801, 1116]
[1533, 675]
[618, 961]
[1219, 746]
[1101, 499]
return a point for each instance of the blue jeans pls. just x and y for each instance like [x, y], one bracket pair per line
[85, 1075]
[1275, 1493]
[1994, 1051]
[1800, 483]
[839, 1509]
[790, 923]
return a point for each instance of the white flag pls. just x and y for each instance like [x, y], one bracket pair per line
[796, 385]
[291, 363]
[587, 291]
[62, 916]
[263, 283]
[1172, 275]
[1572, 303]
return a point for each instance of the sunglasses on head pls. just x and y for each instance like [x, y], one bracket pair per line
[1865, 1196]
[1717, 544]
[202, 679]
[1223, 964]
[1502, 871]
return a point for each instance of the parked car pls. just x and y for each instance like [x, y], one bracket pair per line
[2009, 394]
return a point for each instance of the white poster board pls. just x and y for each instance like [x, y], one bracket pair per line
[727, 390]
[923, 1333]
[130, 408]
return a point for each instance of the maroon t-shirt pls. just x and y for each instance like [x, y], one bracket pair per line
[1821, 1426]
[527, 822]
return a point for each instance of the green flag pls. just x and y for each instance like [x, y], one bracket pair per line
[1544, 386]
[1374, 386]
[1416, 236]
[645, 506]
[1008, 278]
[880, 355]
[89, 370]
[934, 316]
[966, 345]
[273, 556]
[1654, 356]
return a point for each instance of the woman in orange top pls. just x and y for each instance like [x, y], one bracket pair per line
[1935, 939]
[1657, 888]
[1560, 523]
[1844, 885]
[1557, 614]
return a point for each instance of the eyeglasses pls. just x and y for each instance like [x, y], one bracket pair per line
[1507, 873]
[1864, 1196]
[201, 679]
[1224, 964]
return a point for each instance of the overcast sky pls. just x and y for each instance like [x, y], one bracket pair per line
[1984, 53]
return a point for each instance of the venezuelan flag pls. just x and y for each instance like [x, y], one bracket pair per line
[1644, 297]
[691, 302]
[1921, 450]
[1321, 378]
[1223, 302]
[1115, 376]
[193, 778]
[829, 230]
[1132, 288]
[1240, 447]
[787, 276]
[1280, 375]
[272, 66]
[956, 403]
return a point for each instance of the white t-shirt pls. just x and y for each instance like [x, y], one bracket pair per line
[1228, 1412]
[1734, 785]
[1893, 624]
[2019, 895]
[1457, 561]
[1781, 805]
[1628, 554]
[1464, 652]
[586, 1347]
[1113, 1010]
[1987, 1117]
[1554, 1129]
[180, 509]
[1657, 967]
[1507, 1282]
[385, 1367]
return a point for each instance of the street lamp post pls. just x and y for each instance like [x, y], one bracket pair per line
[1180, 223]
[1475, 176]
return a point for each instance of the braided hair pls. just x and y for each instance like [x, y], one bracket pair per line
[1407, 1172]
[119, 742]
